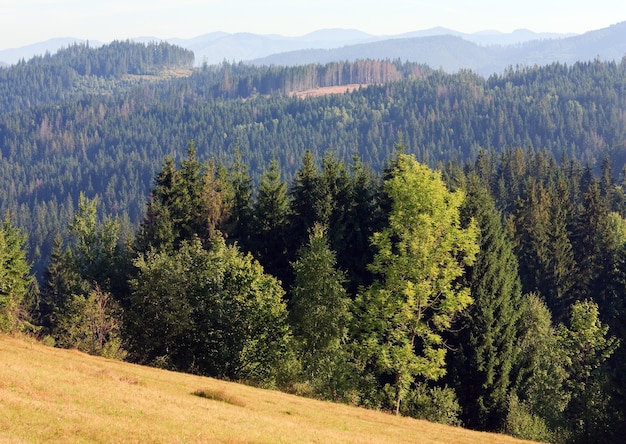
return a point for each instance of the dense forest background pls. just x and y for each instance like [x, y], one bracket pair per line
[102, 120]
[144, 185]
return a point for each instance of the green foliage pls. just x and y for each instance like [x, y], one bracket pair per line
[433, 404]
[79, 69]
[488, 330]
[544, 244]
[587, 348]
[270, 223]
[319, 316]
[92, 324]
[78, 308]
[96, 250]
[540, 371]
[15, 279]
[82, 123]
[108, 140]
[421, 254]
[178, 205]
[237, 202]
[522, 423]
[209, 311]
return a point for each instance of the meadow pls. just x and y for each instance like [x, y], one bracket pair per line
[54, 395]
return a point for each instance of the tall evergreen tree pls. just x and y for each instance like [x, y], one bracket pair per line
[360, 218]
[271, 216]
[308, 203]
[60, 281]
[543, 246]
[238, 202]
[589, 222]
[480, 369]
[176, 208]
[560, 267]
[15, 279]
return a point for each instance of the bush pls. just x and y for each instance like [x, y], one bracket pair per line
[521, 423]
[433, 404]
[91, 324]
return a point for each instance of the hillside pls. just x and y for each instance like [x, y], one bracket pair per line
[63, 131]
[53, 395]
[287, 213]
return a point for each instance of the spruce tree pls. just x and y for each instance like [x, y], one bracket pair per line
[307, 206]
[589, 222]
[270, 218]
[237, 225]
[176, 207]
[480, 369]
[15, 278]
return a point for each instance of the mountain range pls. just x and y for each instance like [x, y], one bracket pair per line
[484, 52]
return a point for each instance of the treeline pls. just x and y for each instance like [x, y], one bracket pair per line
[121, 57]
[241, 80]
[109, 142]
[79, 69]
[487, 294]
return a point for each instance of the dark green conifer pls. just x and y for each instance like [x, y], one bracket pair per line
[481, 368]
[271, 212]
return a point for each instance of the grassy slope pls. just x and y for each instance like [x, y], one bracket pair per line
[54, 395]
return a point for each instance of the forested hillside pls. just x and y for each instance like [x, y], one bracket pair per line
[67, 127]
[443, 246]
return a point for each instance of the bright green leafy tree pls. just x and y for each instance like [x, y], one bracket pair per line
[587, 348]
[536, 408]
[421, 254]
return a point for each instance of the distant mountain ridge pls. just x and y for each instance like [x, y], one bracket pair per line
[485, 52]
[215, 47]
[454, 52]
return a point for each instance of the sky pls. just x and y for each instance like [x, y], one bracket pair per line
[24, 22]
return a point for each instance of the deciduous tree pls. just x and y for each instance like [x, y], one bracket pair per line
[421, 254]
[212, 311]
[320, 310]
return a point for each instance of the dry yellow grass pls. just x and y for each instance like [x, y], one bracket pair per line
[326, 90]
[52, 395]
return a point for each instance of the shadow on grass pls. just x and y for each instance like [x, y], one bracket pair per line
[219, 395]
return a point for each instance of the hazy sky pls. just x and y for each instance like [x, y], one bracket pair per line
[23, 22]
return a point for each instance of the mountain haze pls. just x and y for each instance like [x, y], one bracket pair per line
[322, 45]
[455, 52]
